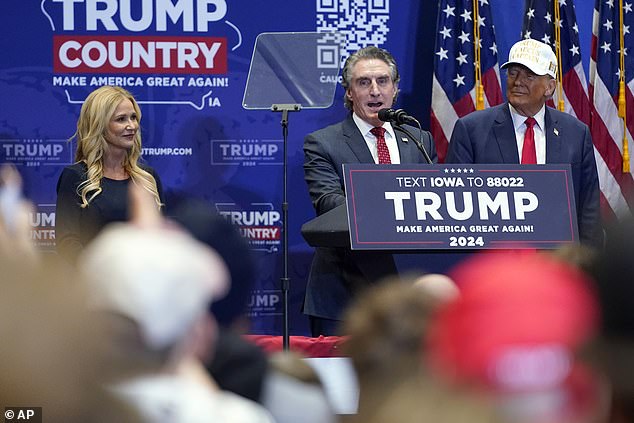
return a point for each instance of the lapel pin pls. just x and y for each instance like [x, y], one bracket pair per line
[405, 139]
[556, 131]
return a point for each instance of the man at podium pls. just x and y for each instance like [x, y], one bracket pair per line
[370, 78]
[524, 130]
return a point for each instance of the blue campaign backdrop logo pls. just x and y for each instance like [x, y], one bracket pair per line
[167, 53]
[247, 152]
[264, 303]
[260, 224]
[36, 152]
[42, 222]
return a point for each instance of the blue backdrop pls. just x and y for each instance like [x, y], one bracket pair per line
[186, 62]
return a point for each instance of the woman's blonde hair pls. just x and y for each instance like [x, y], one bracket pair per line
[92, 124]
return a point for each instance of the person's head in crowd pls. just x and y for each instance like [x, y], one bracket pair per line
[54, 350]
[531, 72]
[581, 256]
[160, 280]
[614, 277]
[108, 129]
[439, 286]
[370, 77]
[516, 331]
[385, 327]
[209, 227]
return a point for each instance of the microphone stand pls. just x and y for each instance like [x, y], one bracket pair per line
[285, 280]
[418, 143]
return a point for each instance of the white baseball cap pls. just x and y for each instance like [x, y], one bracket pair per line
[161, 279]
[535, 55]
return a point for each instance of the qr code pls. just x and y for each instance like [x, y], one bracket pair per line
[354, 24]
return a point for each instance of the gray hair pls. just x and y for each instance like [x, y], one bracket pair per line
[368, 53]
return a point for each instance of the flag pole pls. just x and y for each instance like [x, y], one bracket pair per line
[557, 21]
[479, 89]
[622, 104]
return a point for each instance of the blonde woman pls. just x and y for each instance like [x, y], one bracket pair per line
[94, 191]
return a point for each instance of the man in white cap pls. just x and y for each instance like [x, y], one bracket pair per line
[524, 130]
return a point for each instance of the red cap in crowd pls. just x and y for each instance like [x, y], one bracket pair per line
[516, 325]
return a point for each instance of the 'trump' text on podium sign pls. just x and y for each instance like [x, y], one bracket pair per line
[459, 206]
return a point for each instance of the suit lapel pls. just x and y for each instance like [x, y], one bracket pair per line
[404, 146]
[505, 135]
[355, 141]
[553, 137]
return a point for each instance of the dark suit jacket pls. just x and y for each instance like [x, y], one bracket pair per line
[488, 136]
[336, 273]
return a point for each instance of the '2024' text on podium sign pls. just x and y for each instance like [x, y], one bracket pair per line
[392, 207]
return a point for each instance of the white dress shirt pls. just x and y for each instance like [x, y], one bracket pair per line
[370, 139]
[539, 130]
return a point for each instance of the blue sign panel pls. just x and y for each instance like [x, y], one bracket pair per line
[408, 207]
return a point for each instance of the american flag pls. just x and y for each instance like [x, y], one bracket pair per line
[454, 92]
[539, 24]
[617, 186]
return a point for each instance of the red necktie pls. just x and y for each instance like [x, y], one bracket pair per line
[529, 156]
[381, 146]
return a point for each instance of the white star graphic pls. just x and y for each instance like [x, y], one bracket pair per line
[574, 50]
[464, 37]
[548, 18]
[470, 170]
[449, 11]
[442, 54]
[562, 3]
[527, 35]
[453, 170]
[626, 29]
[459, 80]
[446, 32]
[575, 27]
[608, 25]
[627, 8]
[494, 48]
[606, 47]
[462, 58]
[624, 51]
[546, 38]
[530, 13]
[483, 2]
[459, 170]
[481, 20]
[446, 170]
[466, 15]
[610, 3]
[618, 73]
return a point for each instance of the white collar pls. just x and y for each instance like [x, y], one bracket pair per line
[365, 127]
[518, 120]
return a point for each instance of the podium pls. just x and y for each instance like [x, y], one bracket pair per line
[329, 229]
[450, 207]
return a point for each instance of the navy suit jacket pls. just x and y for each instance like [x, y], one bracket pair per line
[336, 273]
[488, 136]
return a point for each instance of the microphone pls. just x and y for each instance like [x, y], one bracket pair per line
[398, 116]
